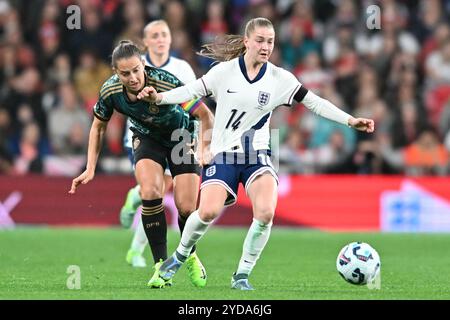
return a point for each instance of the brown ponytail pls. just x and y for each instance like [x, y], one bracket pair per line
[125, 49]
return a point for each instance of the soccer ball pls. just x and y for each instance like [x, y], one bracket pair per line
[358, 263]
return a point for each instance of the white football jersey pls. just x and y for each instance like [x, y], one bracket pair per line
[178, 67]
[244, 106]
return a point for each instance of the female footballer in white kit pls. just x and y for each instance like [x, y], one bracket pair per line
[247, 89]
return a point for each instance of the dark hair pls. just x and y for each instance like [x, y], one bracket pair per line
[125, 49]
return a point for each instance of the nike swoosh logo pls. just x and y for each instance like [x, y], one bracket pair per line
[229, 91]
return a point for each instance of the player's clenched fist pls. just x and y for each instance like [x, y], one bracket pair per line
[149, 94]
[362, 124]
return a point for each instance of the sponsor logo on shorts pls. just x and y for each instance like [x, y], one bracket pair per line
[211, 171]
[136, 143]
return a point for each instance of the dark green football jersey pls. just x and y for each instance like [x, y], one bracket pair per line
[157, 121]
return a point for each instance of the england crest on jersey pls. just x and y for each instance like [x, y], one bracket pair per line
[263, 98]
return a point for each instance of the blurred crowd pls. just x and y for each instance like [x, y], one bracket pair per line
[397, 73]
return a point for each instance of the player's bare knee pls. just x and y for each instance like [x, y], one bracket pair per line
[208, 214]
[264, 214]
[185, 208]
[150, 192]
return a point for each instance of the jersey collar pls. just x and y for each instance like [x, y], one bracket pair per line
[147, 57]
[260, 74]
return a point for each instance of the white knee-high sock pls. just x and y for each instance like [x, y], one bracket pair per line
[254, 243]
[194, 229]
[136, 197]
[139, 239]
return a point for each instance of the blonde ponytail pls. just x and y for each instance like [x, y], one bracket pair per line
[227, 47]
[224, 48]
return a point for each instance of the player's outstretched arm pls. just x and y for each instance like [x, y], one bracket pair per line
[193, 90]
[96, 134]
[326, 109]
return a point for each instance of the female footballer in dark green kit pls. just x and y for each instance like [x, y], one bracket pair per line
[153, 127]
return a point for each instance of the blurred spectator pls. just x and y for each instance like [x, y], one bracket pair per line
[179, 19]
[68, 123]
[48, 33]
[91, 35]
[6, 159]
[444, 122]
[24, 99]
[175, 15]
[30, 150]
[428, 15]
[311, 74]
[301, 15]
[214, 25]
[263, 8]
[406, 125]
[438, 66]
[426, 155]
[329, 156]
[77, 140]
[113, 143]
[134, 21]
[337, 41]
[89, 76]
[366, 99]
[370, 157]
[183, 49]
[60, 71]
[346, 67]
[5, 9]
[438, 80]
[321, 129]
[297, 46]
[393, 28]
[346, 13]
[440, 35]
[290, 152]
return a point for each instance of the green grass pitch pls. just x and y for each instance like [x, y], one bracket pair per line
[296, 264]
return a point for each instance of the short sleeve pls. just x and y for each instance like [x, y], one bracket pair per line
[103, 110]
[188, 74]
[287, 86]
[210, 80]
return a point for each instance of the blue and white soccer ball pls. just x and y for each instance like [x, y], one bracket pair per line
[358, 263]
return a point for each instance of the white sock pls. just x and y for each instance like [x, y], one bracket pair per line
[254, 243]
[136, 197]
[140, 238]
[194, 229]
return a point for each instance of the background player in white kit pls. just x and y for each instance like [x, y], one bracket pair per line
[157, 39]
[247, 89]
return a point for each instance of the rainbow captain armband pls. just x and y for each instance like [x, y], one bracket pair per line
[192, 105]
